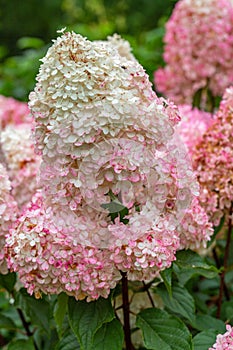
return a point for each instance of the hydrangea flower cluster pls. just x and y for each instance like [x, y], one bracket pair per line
[22, 162]
[13, 112]
[224, 341]
[115, 185]
[18, 164]
[194, 123]
[8, 212]
[213, 162]
[198, 50]
[17, 149]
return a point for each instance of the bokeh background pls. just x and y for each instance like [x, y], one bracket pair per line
[27, 28]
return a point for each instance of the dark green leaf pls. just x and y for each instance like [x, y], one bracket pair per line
[207, 322]
[189, 264]
[25, 344]
[181, 302]
[217, 229]
[167, 279]
[37, 309]
[227, 310]
[204, 340]
[109, 336]
[60, 310]
[197, 98]
[6, 322]
[163, 331]
[8, 281]
[86, 318]
[68, 342]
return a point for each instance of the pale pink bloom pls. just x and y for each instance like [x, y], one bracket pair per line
[13, 112]
[8, 213]
[22, 162]
[213, 162]
[107, 143]
[194, 123]
[195, 228]
[123, 47]
[198, 50]
[224, 341]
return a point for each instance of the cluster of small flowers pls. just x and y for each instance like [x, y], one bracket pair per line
[13, 112]
[8, 212]
[198, 50]
[224, 341]
[213, 159]
[22, 162]
[114, 186]
[194, 123]
[18, 164]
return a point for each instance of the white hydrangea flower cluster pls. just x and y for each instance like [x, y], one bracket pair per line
[114, 185]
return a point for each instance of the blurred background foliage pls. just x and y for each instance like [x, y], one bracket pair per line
[27, 28]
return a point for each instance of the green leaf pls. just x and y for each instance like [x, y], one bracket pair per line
[181, 302]
[109, 336]
[29, 42]
[217, 229]
[86, 318]
[25, 344]
[60, 311]
[227, 311]
[8, 281]
[68, 342]
[197, 98]
[207, 322]
[6, 322]
[163, 331]
[37, 309]
[189, 264]
[113, 207]
[167, 279]
[204, 340]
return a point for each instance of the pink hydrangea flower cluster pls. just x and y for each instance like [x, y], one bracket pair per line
[213, 162]
[22, 162]
[8, 212]
[224, 341]
[194, 123]
[18, 162]
[13, 112]
[17, 149]
[115, 185]
[198, 50]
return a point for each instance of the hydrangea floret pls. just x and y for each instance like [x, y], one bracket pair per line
[198, 50]
[115, 185]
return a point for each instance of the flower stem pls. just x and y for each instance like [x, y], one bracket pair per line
[148, 293]
[26, 326]
[226, 255]
[125, 299]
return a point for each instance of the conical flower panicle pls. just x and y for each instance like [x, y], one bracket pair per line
[213, 162]
[198, 50]
[116, 185]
